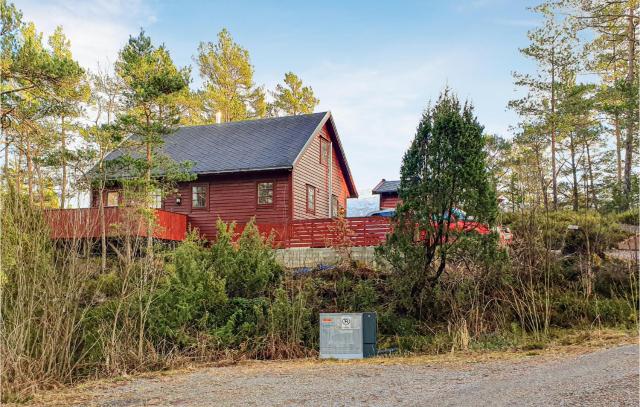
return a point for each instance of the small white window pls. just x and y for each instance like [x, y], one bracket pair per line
[335, 206]
[156, 199]
[311, 199]
[324, 151]
[113, 198]
[198, 197]
[265, 193]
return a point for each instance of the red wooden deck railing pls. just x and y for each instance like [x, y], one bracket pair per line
[85, 223]
[364, 231]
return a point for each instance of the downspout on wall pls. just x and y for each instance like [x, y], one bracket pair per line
[330, 164]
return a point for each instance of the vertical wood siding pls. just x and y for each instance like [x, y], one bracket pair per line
[85, 223]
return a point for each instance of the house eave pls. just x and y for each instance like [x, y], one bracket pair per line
[244, 170]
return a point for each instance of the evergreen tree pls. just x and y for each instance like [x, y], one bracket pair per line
[615, 57]
[27, 69]
[444, 170]
[292, 98]
[227, 73]
[553, 49]
[151, 84]
[38, 84]
[69, 92]
[581, 131]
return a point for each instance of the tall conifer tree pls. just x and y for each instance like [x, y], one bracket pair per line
[443, 171]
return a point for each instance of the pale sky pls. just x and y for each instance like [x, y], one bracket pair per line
[375, 65]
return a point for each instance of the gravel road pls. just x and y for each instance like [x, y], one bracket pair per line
[602, 378]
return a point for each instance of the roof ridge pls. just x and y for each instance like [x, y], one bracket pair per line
[262, 119]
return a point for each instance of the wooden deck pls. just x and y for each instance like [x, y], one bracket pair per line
[85, 223]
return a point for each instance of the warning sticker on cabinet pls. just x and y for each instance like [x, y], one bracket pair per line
[345, 322]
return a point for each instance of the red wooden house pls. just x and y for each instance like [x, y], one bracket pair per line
[279, 170]
[388, 191]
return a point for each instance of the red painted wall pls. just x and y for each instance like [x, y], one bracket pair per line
[310, 171]
[232, 197]
[389, 201]
[95, 194]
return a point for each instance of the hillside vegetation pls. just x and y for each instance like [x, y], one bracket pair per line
[64, 319]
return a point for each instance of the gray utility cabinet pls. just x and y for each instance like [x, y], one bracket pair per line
[348, 335]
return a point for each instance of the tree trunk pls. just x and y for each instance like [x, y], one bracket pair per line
[7, 146]
[590, 174]
[29, 172]
[616, 124]
[18, 172]
[574, 173]
[632, 110]
[147, 193]
[40, 184]
[103, 226]
[543, 184]
[554, 180]
[63, 155]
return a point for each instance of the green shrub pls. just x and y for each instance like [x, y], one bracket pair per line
[613, 312]
[190, 298]
[225, 291]
[629, 217]
[570, 310]
[601, 230]
[248, 266]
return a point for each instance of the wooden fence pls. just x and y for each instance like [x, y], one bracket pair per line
[85, 223]
[363, 231]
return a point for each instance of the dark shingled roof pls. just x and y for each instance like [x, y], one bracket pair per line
[250, 145]
[385, 187]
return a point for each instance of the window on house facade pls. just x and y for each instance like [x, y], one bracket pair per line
[335, 206]
[156, 199]
[311, 199]
[324, 151]
[113, 198]
[198, 196]
[265, 193]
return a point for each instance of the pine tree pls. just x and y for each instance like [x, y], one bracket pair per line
[227, 73]
[553, 49]
[35, 87]
[70, 91]
[151, 84]
[581, 133]
[444, 169]
[291, 98]
[27, 68]
[615, 53]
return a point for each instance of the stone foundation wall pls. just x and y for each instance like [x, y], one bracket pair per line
[314, 256]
